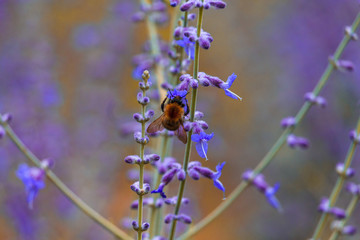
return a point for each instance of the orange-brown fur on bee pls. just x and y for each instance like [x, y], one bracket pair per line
[172, 118]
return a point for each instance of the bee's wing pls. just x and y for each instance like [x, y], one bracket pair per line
[181, 134]
[156, 125]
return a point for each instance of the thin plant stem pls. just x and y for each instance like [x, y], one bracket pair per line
[76, 200]
[192, 115]
[280, 141]
[338, 186]
[349, 211]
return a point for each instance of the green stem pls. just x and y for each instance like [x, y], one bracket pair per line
[349, 211]
[106, 224]
[279, 143]
[192, 114]
[338, 186]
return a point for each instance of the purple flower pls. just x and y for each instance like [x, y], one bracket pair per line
[216, 177]
[188, 46]
[201, 143]
[288, 122]
[33, 179]
[228, 84]
[270, 195]
[195, 170]
[295, 141]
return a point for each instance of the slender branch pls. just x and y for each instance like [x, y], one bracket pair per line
[192, 115]
[279, 143]
[338, 186]
[109, 226]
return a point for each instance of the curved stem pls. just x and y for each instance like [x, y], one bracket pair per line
[338, 186]
[279, 143]
[192, 115]
[109, 226]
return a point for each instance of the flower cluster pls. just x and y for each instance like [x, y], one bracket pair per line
[259, 182]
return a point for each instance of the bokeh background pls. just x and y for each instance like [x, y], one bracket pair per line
[66, 76]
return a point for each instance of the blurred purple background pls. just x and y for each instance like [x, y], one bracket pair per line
[66, 76]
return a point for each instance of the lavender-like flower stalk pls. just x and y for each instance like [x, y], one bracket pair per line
[349, 35]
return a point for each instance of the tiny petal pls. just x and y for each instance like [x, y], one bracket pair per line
[2, 132]
[168, 218]
[339, 213]
[270, 195]
[349, 230]
[288, 122]
[145, 226]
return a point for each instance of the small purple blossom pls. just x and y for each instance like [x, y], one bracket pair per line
[353, 188]
[189, 47]
[207, 80]
[294, 141]
[33, 179]
[201, 140]
[348, 173]
[288, 122]
[181, 217]
[260, 183]
[349, 32]
[167, 178]
[354, 137]
[342, 65]
[270, 195]
[176, 93]
[318, 100]
[195, 170]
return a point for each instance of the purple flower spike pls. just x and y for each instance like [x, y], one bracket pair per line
[188, 46]
[201, 143]
[270, 195]
[33, 179]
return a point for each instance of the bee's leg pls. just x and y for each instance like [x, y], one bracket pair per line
[163, 104]
[187, 108]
